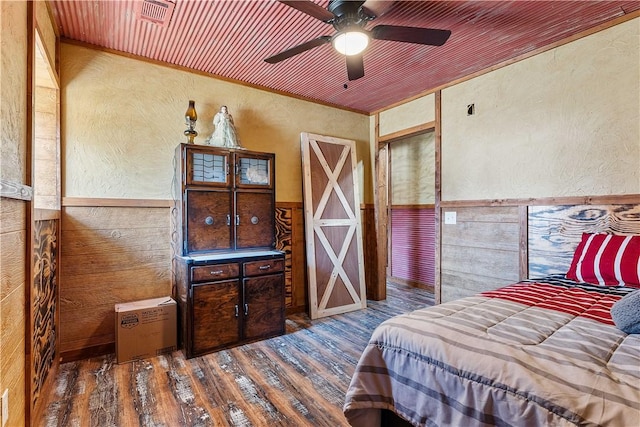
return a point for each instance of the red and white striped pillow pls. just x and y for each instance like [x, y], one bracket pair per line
[606, 260]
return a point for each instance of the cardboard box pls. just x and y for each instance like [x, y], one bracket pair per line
[145, 328]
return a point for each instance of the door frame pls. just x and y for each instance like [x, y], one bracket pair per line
[382, 197]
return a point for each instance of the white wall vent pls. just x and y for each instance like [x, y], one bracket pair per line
[156, 11]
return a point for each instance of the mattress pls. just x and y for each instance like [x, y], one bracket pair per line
[535, 353]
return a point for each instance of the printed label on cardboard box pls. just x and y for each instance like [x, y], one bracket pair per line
[154, 315]
[129, 320]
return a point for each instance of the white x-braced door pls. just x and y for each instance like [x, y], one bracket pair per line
[332, 226]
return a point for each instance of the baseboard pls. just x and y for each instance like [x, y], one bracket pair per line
[87, 353]
[411, 283]
[296, 310]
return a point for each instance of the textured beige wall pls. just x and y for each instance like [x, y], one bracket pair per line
[122, 119]
[412, 170]
[562, 123]
[13, 107]
[407, 115]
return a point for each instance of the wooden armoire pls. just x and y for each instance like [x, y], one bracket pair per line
[229, 280]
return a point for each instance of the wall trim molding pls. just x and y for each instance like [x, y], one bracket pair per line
[116, 203]
[45, 214]
[565, 200]
[289, 205]
[416, 206]
[404, 133]
[140, 203]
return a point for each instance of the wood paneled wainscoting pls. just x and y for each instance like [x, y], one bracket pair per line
[112, 251]
[119, 250]
[480, 251]
[370, 251]
[13, 287]
[489, 245]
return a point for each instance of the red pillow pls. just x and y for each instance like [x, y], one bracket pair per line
[606, 260]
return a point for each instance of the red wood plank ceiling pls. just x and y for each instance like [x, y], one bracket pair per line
[230, 39]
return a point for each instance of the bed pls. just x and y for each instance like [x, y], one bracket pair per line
[544, 352]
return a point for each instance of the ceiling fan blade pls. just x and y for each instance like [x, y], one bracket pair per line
[355, 67]
[298, 49]
[310, 8]
[396, 33]
[375, 8]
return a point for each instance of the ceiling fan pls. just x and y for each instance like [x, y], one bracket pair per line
[349, 18]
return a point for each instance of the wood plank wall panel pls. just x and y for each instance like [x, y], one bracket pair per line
[46, 184]
[112, 254]
[413, 237]
[479, 252]
[109, 255]
[555, 231]
[299, 296]
[370, 250]
[13, 240]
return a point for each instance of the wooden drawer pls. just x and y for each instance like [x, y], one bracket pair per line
[259, 268]
[208, 273]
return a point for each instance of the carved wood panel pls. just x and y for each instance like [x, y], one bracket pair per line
[284, 242]
[555, 231]
[43, 304]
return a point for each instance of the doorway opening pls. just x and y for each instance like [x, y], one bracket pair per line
[411, 218]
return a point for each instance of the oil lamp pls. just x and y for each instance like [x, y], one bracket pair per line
[190, 117]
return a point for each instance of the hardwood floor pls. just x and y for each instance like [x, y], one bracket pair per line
[298, 379]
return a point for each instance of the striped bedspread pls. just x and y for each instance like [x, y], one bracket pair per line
[536, 353]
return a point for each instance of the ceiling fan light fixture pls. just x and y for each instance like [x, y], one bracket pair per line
[350, 42]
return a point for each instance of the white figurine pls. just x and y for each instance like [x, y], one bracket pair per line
[224, 134]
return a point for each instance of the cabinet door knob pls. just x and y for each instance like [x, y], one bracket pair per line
[236, 307]
[237, 219]
[228, 219]
[208, 220]
[246, 309]
[254, 220]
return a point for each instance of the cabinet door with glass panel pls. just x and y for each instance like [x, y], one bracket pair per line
[253, 170]
[208, 167]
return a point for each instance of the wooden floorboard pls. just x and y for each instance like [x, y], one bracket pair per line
[297, 379]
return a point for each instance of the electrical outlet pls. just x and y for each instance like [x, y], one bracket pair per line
[450, 217]
[5, 407]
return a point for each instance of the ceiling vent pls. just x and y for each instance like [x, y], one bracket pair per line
[158, 12]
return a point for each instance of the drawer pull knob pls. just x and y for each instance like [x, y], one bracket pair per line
[208, 220]
[264, 267]
[216, 272]
[254, 220]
